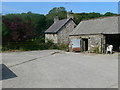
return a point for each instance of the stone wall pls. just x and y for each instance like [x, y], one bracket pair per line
[63, 34]
[94, 41]
[51, 37]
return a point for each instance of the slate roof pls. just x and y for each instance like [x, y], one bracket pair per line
[55, 27]
[104, 25]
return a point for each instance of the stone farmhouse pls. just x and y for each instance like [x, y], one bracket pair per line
[59, 31]
[96, 33]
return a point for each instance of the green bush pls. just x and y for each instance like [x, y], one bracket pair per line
[96, 50]
[63, 46]
[49, 44]
[34, 45]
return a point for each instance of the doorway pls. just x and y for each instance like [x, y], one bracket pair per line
[113, 39]
[85, 44]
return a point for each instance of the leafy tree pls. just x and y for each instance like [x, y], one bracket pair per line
[57, 11]
[109, 14]
[5, 31]
[37, 20]
[77, 18]
[21, 31]
[17, 30]
[94, 15]
[84, 16]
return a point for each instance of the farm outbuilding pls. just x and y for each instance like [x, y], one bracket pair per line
[96, 34]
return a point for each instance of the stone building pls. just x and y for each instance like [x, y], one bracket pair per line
[59, 31]
[97, 33]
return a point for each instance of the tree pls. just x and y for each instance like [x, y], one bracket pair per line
[5, 30]
[38, 21]
[57, 11]
[109, 14]
[21, 31]
[94, 15]
[84, 16]
[77, 18]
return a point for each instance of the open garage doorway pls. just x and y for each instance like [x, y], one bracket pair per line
[113, 39]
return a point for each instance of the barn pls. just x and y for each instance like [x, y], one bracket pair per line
[95, 34]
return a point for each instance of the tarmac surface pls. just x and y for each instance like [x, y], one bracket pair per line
[59, 69]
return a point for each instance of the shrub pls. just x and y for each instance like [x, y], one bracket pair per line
[34, 45]
[63, 46]
[49, 44]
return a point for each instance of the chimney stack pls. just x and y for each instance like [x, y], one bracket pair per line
[70, 15]
[56, 19]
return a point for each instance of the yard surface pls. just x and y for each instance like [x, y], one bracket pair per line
[59, 69]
